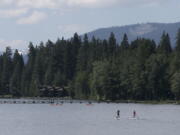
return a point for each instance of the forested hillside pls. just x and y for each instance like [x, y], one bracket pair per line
[144, 30]
[96, 69]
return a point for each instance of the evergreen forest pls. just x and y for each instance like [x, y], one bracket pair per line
[95, 69]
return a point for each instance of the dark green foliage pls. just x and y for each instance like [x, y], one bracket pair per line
[165, 45]
[124, 43]
[98, 79]
[96, 69]
[81, 85]
[6, 71]
[15, 81]
[83, 58]
[175, 85]
[112, 45]
[28, 71]
[178, 41]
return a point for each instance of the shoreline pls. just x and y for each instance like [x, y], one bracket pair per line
[89, 101]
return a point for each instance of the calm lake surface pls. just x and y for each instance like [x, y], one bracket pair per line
[83, 119]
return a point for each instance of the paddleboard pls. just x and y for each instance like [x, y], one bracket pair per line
[117, 118]
[133, 118]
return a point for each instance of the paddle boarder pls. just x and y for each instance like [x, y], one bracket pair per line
[134, 114]
[118, 114]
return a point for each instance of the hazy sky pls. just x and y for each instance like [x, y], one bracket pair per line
[22, 21]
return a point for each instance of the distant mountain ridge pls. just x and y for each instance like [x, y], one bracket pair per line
[146, 30]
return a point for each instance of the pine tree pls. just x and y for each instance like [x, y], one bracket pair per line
[28, 71]
[112, 45]
[165, 45]
[124, 43]
[1, 70]
[7, 71]
[15, 81]
[178, 41]
[175, 59]
[82, 57]
[69, 64]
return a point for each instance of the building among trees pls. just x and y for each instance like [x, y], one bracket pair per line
[52, 91]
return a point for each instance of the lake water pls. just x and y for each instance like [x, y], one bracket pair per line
[83, 119]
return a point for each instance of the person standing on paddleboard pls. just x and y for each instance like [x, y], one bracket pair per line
[118, 114]
[134, 114]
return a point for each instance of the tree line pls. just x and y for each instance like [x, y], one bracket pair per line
[96, 69]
